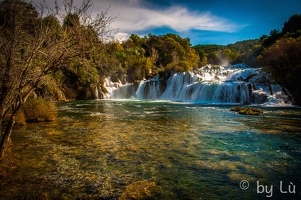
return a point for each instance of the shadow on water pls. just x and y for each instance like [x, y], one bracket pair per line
[162, 150]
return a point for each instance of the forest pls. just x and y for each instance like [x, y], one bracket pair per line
[48, 54]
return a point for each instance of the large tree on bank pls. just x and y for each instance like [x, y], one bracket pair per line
[34, 44]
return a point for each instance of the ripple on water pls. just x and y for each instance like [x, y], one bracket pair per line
[102, 149]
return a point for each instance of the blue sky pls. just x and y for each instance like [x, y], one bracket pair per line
[203, 21]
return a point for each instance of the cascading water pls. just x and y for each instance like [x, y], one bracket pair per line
[117, 90]
[210, 84]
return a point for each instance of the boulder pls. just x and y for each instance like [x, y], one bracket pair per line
[247, 111]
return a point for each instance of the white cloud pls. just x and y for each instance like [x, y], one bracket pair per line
[134, 16]
[138, 15]
[121, 36]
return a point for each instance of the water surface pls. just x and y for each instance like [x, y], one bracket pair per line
[96, 149]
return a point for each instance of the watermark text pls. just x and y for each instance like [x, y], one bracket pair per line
[268, 190]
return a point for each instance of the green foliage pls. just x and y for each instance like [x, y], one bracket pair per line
[281, 56]
[216, 54]
[241, 52]
[83, 69]
[28, 17]
[71, 20]
[293, 25]
[279, 53]
[169, 51]
[291, 28]
[144, 57]
[136, 58]
[34, 47]
[283, 61]
[248, 51]
[274, 35]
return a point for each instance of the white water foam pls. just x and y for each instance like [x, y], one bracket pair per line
[208, 85]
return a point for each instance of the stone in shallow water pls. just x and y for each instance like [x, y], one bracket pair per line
[247, 111]
[141, 190]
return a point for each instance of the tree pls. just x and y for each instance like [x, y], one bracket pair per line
[203, 56]
[274, 35]
[209, 53]
[171, 52]
[283, 61]
[33, 46]
[292, 25]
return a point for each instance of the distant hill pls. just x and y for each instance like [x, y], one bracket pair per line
[240, 52]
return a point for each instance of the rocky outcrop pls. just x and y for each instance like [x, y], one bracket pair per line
[247, 110]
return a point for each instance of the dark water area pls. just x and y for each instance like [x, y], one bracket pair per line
[99, 149]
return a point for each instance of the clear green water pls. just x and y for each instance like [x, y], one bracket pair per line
[98, 148]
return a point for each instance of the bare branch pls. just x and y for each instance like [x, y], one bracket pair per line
[31, 48]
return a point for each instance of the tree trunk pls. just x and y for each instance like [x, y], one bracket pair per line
[6, 137]
[5, 84]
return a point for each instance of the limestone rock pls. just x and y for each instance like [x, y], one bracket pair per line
[247, 111]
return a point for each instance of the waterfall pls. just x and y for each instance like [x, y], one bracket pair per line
[209, 84]
[150, 89]
[96, 91]
[140, 91]
[61, 95]
[117, 90]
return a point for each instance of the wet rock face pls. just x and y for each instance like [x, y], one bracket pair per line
[141, 190]
[247, 111]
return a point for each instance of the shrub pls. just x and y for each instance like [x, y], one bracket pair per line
[38, 109]
[20, 118]
[282, 60]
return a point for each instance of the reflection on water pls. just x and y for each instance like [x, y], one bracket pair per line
[98, 149]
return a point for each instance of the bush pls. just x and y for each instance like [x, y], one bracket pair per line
[282, 60]
[38, 110]
[20, 118]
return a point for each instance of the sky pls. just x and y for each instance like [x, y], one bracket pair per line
[202, 21]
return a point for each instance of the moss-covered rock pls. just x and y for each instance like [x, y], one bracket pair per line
[141, 190]
[236, 109]
[247, 111]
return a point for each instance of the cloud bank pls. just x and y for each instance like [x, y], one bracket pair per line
[141, 16]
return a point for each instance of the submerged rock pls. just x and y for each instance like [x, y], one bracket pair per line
[141, 190]
[247, 111]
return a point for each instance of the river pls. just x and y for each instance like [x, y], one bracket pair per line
[100, 149]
